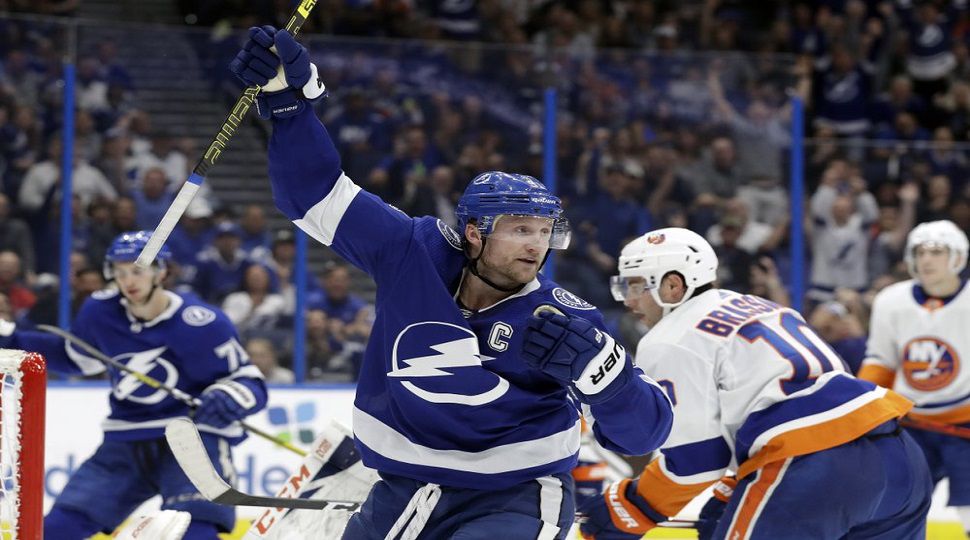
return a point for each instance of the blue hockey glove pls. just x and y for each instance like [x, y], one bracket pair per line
[572, 350]
[223, 403]
[711, 514]
[281, 67]
[7, 329]
[613, 516]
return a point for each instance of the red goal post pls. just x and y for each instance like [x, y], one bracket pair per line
[23, 389]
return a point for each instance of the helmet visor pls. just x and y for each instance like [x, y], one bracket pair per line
[623, 287]
[535, 230]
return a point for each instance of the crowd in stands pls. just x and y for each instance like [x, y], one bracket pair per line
[670, 114]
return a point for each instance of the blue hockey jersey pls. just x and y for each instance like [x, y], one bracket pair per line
[188, 346]
[443, 395]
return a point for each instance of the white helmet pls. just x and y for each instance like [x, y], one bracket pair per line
[941, 233]
[657, 253]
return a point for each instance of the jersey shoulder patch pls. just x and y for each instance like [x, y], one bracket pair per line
[570, 300]
[104, 294]
[198, 315]
[451, 235]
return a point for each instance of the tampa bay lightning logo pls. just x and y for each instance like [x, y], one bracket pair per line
[150, 363]
[569, 299]
[198, 316]
[434, 359]
[451, 235]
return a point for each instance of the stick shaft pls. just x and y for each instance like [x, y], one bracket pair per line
[212, 153]
[185, 398]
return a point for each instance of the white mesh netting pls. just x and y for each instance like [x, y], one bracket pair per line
[11, 392]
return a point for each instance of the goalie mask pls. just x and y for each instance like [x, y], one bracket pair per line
[941, 233]
[645, 261]
[125, 249]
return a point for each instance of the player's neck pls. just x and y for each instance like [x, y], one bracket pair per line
[150, 310]
[943, 288]
[475, 294]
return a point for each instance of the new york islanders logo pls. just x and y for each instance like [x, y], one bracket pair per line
[929, 363]
[431, 356]
[656, 238]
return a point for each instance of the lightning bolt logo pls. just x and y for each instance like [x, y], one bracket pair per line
[453, 353]
[145, 362]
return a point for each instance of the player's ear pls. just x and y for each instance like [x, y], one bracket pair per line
[160, 275]
[473, 238]
[673, 287]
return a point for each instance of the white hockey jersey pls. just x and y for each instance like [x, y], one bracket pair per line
[751, 384]
[915, 346]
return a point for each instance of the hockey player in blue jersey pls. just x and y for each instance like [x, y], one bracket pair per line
[174, 338]
[473, 376]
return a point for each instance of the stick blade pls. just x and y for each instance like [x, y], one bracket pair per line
[187, 447]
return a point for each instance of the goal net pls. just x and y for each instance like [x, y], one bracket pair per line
[22, 393]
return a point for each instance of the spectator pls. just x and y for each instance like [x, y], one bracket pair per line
[86, 282]
[842, 212]
[326, 360]
[15, 236]
[754, 237]
[254, 307]
[734, 271]
[762, 134]
[262, 354]
[894, 224]
[152, 199]
[43, 180]
[255, 235]
[605, 222]
[842, 328]
[12, 285]
[718, 176]
[766, 283]
[435, 197]
[841, 90]
[191, 236]
[221, 265]
[349, 315]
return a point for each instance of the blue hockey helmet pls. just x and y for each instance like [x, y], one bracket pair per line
[492, 194]
[126, 247]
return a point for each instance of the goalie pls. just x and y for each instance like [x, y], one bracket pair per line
[174, 338]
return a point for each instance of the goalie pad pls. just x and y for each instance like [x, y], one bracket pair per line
[161, 525]
[332, 470]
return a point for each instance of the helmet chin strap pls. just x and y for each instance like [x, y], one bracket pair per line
[473, 268]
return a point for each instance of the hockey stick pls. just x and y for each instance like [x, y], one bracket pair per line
[180, 395]
[936, 427]
[186, 444]
[218, 144]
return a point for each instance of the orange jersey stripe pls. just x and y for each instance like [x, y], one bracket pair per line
[663, 494]
[590, 473]
[754, 499]
[960, 415]
[828, 434]
[877, 374]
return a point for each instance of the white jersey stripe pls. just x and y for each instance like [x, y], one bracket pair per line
[550, 506]
[321, 220]
[384, 440]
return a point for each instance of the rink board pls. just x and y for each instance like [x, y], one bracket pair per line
[75, 412]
